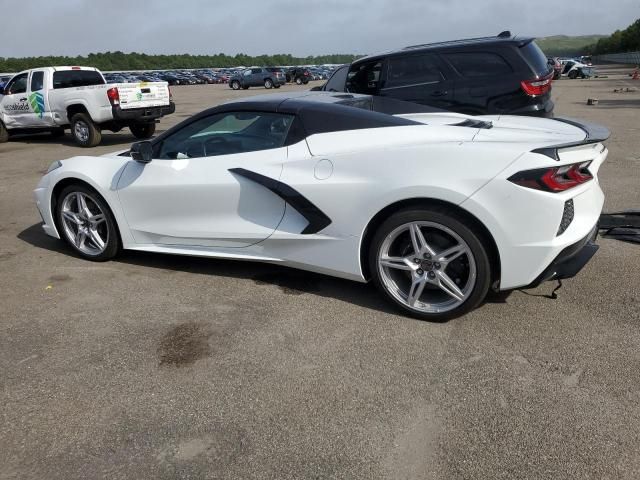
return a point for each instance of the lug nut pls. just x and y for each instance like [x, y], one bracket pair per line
[416, 260]
[420, 271]
[436, 266]
[431, 275]
[427, 256]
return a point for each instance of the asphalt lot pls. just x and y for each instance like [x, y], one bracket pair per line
[171, 367]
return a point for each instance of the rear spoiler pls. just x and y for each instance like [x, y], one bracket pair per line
[594, 134]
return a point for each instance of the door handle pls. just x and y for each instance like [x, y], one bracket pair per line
[439, 93]
[24, 99]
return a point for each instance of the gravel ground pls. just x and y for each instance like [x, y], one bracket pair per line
[169, 367]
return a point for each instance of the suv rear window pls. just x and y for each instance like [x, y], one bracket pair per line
[536, 58]
[76, 78]
[479, 64]
[413, 70]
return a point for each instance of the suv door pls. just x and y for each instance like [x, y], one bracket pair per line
[256, 77]
[419, 78]
[187, 195]
[14, 104]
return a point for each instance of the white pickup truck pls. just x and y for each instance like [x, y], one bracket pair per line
[55, 98]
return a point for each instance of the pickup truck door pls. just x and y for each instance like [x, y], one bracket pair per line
[14, 105]
[37, 98]
[196, 191]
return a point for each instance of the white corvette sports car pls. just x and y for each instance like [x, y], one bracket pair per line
[435, 208]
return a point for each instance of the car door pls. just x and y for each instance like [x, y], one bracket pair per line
[187, 195]
[256, 77]
[418, 78]
[14, 104]
[41, 115]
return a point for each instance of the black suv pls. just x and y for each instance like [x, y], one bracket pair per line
[477, 76]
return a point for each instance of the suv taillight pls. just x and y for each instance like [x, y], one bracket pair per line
[554, 179]
[114, 96]
[537, 86]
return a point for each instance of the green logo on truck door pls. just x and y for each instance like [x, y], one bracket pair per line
[36, 100]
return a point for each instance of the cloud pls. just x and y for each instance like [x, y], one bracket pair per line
[309, 27]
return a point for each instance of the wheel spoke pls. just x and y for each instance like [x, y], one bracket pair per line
[95, 238]
[72, 217]
[83, 209]
[418, 241]
[97, 219]
[450, 254]
[448, 286]
[399, 263]
[81, 237]
[417, 286]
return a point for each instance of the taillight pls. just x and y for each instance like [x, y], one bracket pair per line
[114, 96]
[538, 86]
[555, 179]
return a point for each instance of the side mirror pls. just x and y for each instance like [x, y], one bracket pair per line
[142, 151]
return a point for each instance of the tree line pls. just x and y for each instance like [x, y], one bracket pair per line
[141, 61]
[620, 41]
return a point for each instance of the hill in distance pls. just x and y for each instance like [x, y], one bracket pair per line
[566, 45]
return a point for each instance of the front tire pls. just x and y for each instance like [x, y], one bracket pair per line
[86, 223]
[298, 81]
[143, 130]
[268, 84]
[84, 131]
[235, 85]
[430, 263]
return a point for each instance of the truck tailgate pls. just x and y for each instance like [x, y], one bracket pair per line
[143, 94]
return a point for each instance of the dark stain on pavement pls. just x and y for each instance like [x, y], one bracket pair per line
[291, 283]
[184, 344]
[63, 277]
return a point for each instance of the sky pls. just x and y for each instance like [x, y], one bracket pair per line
[299, 27]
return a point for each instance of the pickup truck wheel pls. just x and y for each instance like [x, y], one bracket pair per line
[268, 83]
[4, 133]
[235, 85]
[57, 132]
[143, 130]
[84, 131]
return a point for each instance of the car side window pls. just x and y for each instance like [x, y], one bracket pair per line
[226, 134]
[18, 84]
[37, 81]
[412, 70]
[364, 78]
[338, 80]
[480, 64]
[256, 70]
[246, 73]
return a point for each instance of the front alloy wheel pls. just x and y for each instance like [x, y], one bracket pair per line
[431, 265]
[87, 223]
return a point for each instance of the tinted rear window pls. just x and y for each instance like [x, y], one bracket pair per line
[480, 64]
[412, 70]
[536, 58]
[76, 78]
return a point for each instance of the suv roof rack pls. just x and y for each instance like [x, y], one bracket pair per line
[504, 34]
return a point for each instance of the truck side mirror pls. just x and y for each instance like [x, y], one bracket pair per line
[142, 151]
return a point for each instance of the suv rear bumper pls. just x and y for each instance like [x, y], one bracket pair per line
[142, 114]
[536, 110]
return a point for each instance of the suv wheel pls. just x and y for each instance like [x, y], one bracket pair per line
[85, 132]
[235, 84]
[298, 81]
[268, 83]
[143, 130]
[430, 263]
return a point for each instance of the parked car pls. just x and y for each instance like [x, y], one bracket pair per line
[54, 98]
[257, 77]
[489, 75]
[299, 76]
[427, 220]
[573, 69]
[557, 67]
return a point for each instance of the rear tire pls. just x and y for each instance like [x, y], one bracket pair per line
[143, 130]
[85, 133]
[88, 226]
[268, 84]
[426, 285]
[235, 85]
[298, 81]
[4, 133]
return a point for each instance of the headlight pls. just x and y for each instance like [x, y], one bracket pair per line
[54, 165]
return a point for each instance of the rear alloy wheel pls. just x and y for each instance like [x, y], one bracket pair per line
[298, 81]
[143, 130]
[84, 131]
[235, 85]
[4, 133]
[430, 263]
[268, 83]
[87, 224]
